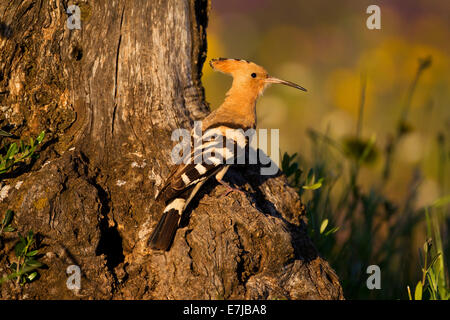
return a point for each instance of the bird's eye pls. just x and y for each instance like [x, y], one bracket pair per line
[253, 75]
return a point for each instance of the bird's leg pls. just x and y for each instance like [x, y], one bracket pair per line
[219, 178]
[229, 188]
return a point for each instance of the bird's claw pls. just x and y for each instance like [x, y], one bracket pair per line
[229, 189]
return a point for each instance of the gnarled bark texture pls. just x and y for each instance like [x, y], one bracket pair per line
[109, 96]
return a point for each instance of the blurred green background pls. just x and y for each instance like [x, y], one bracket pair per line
[393, 84]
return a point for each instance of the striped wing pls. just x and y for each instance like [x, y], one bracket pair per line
[219, 146]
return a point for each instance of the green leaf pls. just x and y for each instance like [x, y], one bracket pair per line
[310, 176]
[9, 229]
[4, 133]
[13, 266]
[409, 292]
[433, 261]
[19, 249]
[418, 291]
[11, 151]
[331, 231]
[432, 285]
[22, 239]
[30, 236]
[314, 186]
[285, 161]
[32, 276]
[32, 253]
[441, 201]
[21, 146]
[33, 263]
[323, 226]
[8, 217]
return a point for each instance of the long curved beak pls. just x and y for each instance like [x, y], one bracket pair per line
[287, 83]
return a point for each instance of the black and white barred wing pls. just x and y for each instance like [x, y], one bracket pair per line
[215, 148]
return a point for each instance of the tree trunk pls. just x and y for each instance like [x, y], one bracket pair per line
[108, 96]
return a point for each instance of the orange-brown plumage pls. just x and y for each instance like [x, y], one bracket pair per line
[249, 82]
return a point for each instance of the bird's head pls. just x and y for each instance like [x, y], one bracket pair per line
[248, 75]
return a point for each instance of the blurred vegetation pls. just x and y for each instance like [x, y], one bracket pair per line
[368, 145]
[367, 226]
[434, 284]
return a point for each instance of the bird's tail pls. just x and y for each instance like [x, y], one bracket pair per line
[164, 232]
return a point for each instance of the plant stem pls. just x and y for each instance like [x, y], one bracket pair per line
[362, 100]
[390, 150]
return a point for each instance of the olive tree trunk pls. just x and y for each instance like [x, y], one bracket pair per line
[108, 96]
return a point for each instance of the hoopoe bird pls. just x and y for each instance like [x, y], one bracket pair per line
[238, 111]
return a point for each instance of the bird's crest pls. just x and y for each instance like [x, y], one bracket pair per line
[237, 66]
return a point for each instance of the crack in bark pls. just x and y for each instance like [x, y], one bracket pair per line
[110, 243]
[117, 71]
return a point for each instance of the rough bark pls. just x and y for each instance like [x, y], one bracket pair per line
[109, 96]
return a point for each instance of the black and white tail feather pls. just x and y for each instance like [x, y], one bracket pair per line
[218, 150]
